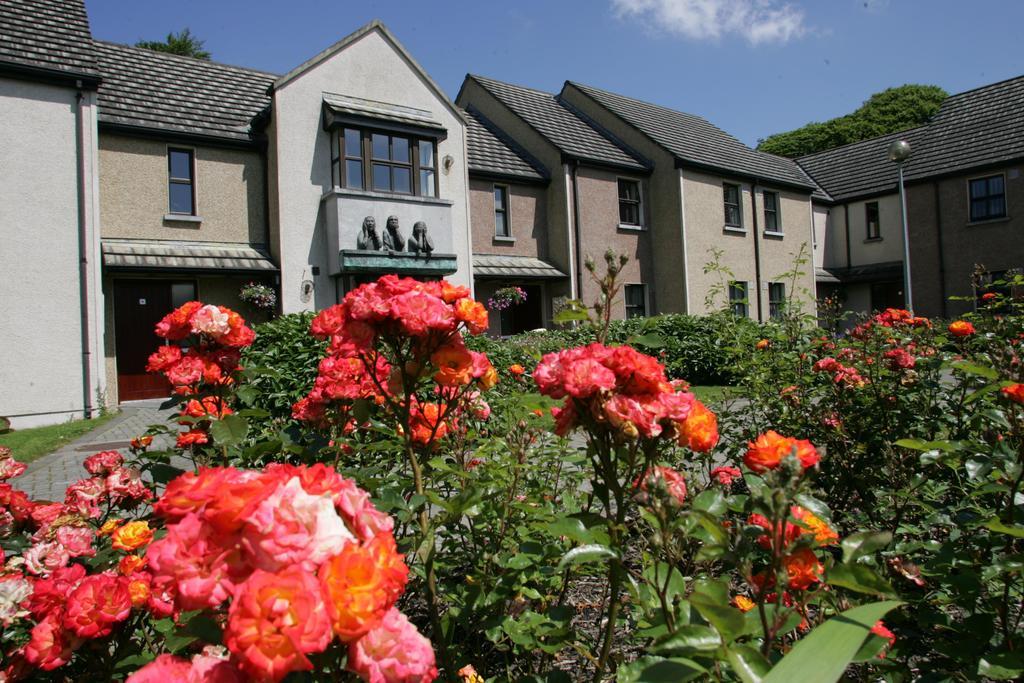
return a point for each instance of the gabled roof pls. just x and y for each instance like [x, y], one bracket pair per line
[492, 152]
[48, 35]
[972, 129]
[375, 25]
[566, 131]
[158, 91]
[694, 140]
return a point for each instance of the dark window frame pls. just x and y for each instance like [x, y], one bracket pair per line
[631, 308]
[776, 300]
[739, 301]
[737, 205]
[869, 208]
[986, 199]
[504, 211]
[190, 181]
[775, 212]
[630, 203]
[340, 154]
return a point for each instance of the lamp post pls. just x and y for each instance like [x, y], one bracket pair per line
[899, 152]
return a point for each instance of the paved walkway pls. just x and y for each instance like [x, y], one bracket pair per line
[47, 477]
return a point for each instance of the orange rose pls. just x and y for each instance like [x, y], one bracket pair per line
[516, 369]
[1014, 392]
[802, 568]
[743, 603]
[762, 345]
[130, 564]
[961, 328]
[109, 527]
[473, 313]
[699, 431]
[361, 584]
[454, 365]
[140, 442]
[132, 536]
[823, 533]
[767, 452]
[139, 592]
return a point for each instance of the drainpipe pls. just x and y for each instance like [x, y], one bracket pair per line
[846, 231]
[83, 254]
[757, 249]
[576, 228]
[938, 243]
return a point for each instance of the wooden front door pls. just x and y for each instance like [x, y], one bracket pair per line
[138, 307]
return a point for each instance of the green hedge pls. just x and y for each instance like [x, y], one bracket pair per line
[699, 349]
[283, 362]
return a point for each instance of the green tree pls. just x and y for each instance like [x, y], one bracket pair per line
[182, 43]
[889, 111]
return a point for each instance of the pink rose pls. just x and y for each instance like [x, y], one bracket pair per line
[393, 652]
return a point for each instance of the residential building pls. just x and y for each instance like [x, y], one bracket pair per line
[51, 303]
[965, 206]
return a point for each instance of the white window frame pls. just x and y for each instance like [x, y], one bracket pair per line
[640, 192]
[182, 217]
[1006, 199]
[507, 211]
[778, 231]
[746, 296]
[740, 227]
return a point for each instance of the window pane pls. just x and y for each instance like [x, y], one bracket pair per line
[995, 184]
[382, 177]
[181, 198]
[771, 221]
[400, 150]
[499, 197]
[629, 213]
[978, 209]
[352, 141]
[769, 201]
[629, 189]
[181, 164]
[732, 215]
[995, 208]
[427, 183]
[977, 188]
[402, 179]
[380, 146]
[500, 224]
[182, 293]
[426, 154]
[354, 174]
[731, 194]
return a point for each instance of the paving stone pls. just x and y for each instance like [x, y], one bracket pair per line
[47, 477]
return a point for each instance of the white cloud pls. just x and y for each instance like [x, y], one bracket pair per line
[756, 21]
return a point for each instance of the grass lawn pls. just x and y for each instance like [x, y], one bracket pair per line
[28, 444]
[710, 393]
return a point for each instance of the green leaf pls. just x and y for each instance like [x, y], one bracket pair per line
[230, 430]
[728, 620]
[572, 528]
[824, 654]
[749, 664]
[652, 340]
[592, 552]
[859, 578]
[1017, 531]
[570, 314]
[919, 445]
[976, 369]
[164, 473]
[658, 670]
[1002, 666]
[687, 639]
[711, 501]
[864, 543]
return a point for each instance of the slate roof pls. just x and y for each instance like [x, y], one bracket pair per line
[47, 34]
[497, 265]
[975, 128]
[173, 255]
[173, 94]
[493, 152]
[692, 139]
[570, 134]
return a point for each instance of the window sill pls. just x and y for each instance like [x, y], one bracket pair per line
[735, 229]
[385, 196]
[990, 221]
[869, 240]
[504, 240]
[631, 227]
[774, 234]
[181, 218]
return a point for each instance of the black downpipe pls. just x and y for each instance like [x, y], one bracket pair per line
[757, 249]
[576, 229]
[83, 258]
[846, 231]
[938, 242]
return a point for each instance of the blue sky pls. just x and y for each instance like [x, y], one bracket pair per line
[753, 67]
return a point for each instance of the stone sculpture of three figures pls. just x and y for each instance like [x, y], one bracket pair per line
[392, 240]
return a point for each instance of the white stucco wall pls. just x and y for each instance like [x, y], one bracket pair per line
[369, 68]
[41, 353]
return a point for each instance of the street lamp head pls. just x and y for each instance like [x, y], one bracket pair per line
[899, 151]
